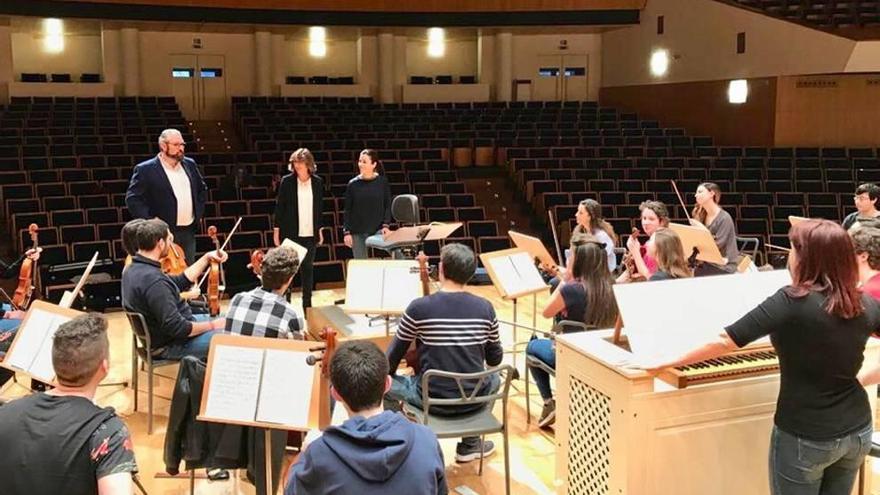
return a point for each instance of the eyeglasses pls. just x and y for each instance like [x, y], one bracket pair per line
[177, 144]
[862, 198]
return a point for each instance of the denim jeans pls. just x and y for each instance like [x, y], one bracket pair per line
[193, 346]
[405, 388]
[359, 245]
[544, 350]
[799, 466]
[8, 327]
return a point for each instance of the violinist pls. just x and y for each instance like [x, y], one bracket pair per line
[667, 250]
[590, 220]
[174, 330]
[10, 318]
[709, 213]
[654, 216]
[264, 312]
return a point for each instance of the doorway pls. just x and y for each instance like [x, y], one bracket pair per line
[560, 78]
[199, 85]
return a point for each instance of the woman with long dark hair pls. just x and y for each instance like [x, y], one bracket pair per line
[590, 220]
[587, 297]
[709, 213]
[367, 204]
[299, 212]
[819, 326]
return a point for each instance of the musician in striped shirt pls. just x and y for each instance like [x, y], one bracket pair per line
[455, 331]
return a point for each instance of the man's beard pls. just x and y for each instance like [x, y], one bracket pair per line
[177, 159]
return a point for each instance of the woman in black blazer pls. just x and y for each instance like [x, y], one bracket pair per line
[299, 219]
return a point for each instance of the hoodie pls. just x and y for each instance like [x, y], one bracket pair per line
[380, 455]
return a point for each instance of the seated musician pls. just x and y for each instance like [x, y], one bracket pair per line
[866, 241]
[590, 220]
[709, 213]
[666, 249]
[654, 216]
[865, 200]
[174, 331]
[819, 326]
[59, 441]
[587, 297]
[264, 311]
[374, 452]
[455, 331]
[10, 319]
[563, 273]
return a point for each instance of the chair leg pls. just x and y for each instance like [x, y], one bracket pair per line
[482, 441]
[149, 398]
[528, 402]
[192, 482]
[134, 371]
[506, 460]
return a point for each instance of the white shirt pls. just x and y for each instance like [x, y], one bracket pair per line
[304, 208]
[182, 192]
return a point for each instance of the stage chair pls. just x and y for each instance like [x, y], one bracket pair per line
[533, 362]
[477, 423]
[405, 211]
[140, 348]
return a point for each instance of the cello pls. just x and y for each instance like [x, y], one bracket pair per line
[28, 275]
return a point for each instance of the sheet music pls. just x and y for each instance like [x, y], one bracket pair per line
[33, 350]
[667, 318]
[301, 251]
[287, 379]
[528, 273]
[507, 275]
[363, 286]
[235, 383]
[400, 285]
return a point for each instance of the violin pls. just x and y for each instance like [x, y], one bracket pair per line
[213, 294]
[174, 262]
[256, 264]
[28, 275]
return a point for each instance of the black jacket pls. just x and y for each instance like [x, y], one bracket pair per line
[213, 445]
[286, 207]
[150, 195]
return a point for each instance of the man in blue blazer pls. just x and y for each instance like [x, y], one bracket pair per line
[170, 187]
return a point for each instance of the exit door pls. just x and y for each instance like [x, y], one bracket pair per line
[199, 85]
[560, 78]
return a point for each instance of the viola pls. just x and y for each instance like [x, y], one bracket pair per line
[256, 264]
[27, 275]
[213, 294]
[174, 262]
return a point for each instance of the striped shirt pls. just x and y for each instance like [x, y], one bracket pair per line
[259, 313]
[453, 331]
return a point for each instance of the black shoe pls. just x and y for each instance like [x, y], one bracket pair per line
[217, 474]
[464, 453]
[548, 414]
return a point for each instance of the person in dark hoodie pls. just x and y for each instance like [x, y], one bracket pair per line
[375, 451]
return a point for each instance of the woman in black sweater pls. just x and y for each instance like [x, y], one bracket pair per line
[819, 326]
[367, 204]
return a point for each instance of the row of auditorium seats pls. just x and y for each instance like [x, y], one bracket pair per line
[821, 13]
[34, 77]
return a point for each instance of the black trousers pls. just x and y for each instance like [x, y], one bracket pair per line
[185, 237]
[306, 269]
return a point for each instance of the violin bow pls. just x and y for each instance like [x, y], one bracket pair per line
[555, 238]
[225, 242]
[680, 200]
